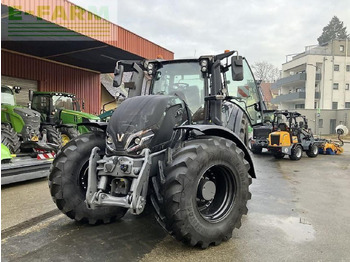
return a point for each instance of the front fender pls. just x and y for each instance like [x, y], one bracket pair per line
[220, 131]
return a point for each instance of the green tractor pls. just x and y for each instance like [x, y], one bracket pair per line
[63, 111]
[20, 126]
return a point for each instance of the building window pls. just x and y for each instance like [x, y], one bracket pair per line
[347, 104]
[335, 105]
[299, 106]
[320, 123]
[335, 86]
[346, 86]
[347, 68]
[336, 67]
[341, 48]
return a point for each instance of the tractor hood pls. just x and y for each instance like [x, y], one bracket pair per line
[26, 112]
[144, 121]
[84, 115]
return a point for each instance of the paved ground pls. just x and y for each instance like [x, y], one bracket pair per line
[299, 212]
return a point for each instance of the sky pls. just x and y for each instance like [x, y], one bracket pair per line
[261, 30]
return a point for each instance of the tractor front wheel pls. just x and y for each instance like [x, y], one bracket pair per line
[69, 177]
[10, 139]
[68, 133]
[205, 192]
[53, 135]
[297, 153]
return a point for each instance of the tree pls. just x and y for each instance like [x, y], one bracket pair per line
[334, 30]
[265, 71]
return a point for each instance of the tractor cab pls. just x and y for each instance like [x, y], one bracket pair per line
[63, 111]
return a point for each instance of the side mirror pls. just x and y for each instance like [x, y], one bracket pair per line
[83, 104]
[31, 95]
[237, 68]
[118, 75]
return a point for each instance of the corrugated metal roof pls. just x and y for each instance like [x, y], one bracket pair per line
[64, 13]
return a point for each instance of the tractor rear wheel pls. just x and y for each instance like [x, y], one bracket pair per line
[313, 151]
[68, 181]
[204, 192]
[10, 139]
[68, 133]
[297, 153]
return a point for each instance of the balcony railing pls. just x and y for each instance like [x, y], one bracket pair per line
[292, 97]
[288, 80]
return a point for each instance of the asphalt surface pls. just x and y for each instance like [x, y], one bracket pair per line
[299, 211]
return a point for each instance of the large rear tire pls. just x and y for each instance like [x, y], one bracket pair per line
[10, 139]
[68, 181]
[205, 192]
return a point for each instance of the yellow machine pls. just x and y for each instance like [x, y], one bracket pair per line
[291, 139]
[329, 147]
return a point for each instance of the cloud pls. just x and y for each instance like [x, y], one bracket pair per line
[260, 29]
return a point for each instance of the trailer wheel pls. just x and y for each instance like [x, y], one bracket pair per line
[68, 133]
[10, 139]
[297, 153]
[313, 151]
[204, 192]
[68, 181]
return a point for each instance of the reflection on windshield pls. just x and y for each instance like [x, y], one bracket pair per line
[7, 97]
[63, 102]
[183, 80]
[246, 92]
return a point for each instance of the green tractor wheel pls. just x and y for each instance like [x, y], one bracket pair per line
[53, 135]
[10, 139]
[68, 133]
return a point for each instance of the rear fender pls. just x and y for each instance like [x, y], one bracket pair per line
[213, 130]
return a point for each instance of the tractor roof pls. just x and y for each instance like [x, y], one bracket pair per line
[54, 93]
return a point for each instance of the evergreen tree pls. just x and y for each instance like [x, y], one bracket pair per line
[334, 30]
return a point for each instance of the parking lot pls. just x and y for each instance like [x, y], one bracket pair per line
[299, 211]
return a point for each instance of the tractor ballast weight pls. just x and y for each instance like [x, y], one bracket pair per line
[177, 142]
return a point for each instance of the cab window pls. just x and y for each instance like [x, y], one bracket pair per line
[246, 92]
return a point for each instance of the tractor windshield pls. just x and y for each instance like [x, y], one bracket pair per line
[63, 102]
[182, 79]
[7, 96]
[246, 92]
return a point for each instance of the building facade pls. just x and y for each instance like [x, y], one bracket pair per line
[318, 78]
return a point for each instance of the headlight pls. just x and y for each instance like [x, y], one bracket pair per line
[204, 62]
[109, 142]
[138, 140]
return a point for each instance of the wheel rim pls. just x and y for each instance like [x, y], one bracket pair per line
[298, 152]
[315, 150]
[65, 139]
[216, 192]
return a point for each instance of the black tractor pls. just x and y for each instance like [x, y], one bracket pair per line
[177, 142]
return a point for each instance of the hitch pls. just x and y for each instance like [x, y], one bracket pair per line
[115, 167]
